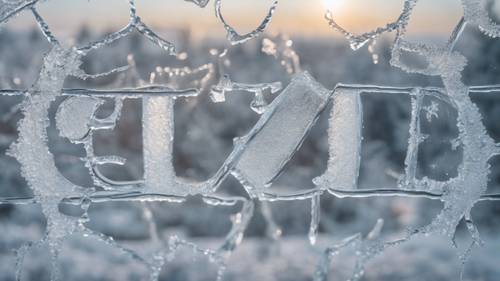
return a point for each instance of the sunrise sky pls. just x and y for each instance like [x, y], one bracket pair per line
[303, 17]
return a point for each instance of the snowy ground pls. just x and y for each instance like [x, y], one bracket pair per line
[257, 258]
[291, 259]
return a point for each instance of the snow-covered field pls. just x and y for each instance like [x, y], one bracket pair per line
[291, 259]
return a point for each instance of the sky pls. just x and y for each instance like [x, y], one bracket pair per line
[304, 17]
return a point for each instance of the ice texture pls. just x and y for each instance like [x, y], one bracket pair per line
[10, 8]
[31, 149]
[315, 217]
[358, 41]
[458, 194]
[259, 104]
[414, 141]
[344, 141]
[233, 36]
[74, 117]
[158, 122]
[475, 13]
[279, 132]
[259, 156]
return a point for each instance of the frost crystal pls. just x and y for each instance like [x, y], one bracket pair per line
[158, 113]
[344, 140]
[32, 152]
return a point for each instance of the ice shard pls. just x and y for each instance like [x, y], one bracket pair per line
[279, 132]
[344, 140]
[158, 129]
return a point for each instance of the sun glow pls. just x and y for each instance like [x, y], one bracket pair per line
[333, 4]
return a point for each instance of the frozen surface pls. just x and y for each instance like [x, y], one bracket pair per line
[259, 154]
[158, 120]
[344, 140]
[279, 132]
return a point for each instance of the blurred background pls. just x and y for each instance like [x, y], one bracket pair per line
[204, 133]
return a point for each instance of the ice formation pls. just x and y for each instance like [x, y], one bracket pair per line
[302, 101]
[344, 139]
[259, 156]
[232, 35]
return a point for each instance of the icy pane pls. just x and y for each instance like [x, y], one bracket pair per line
[344, 141]
[280, 132]
[74, 117]
[158, 130]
